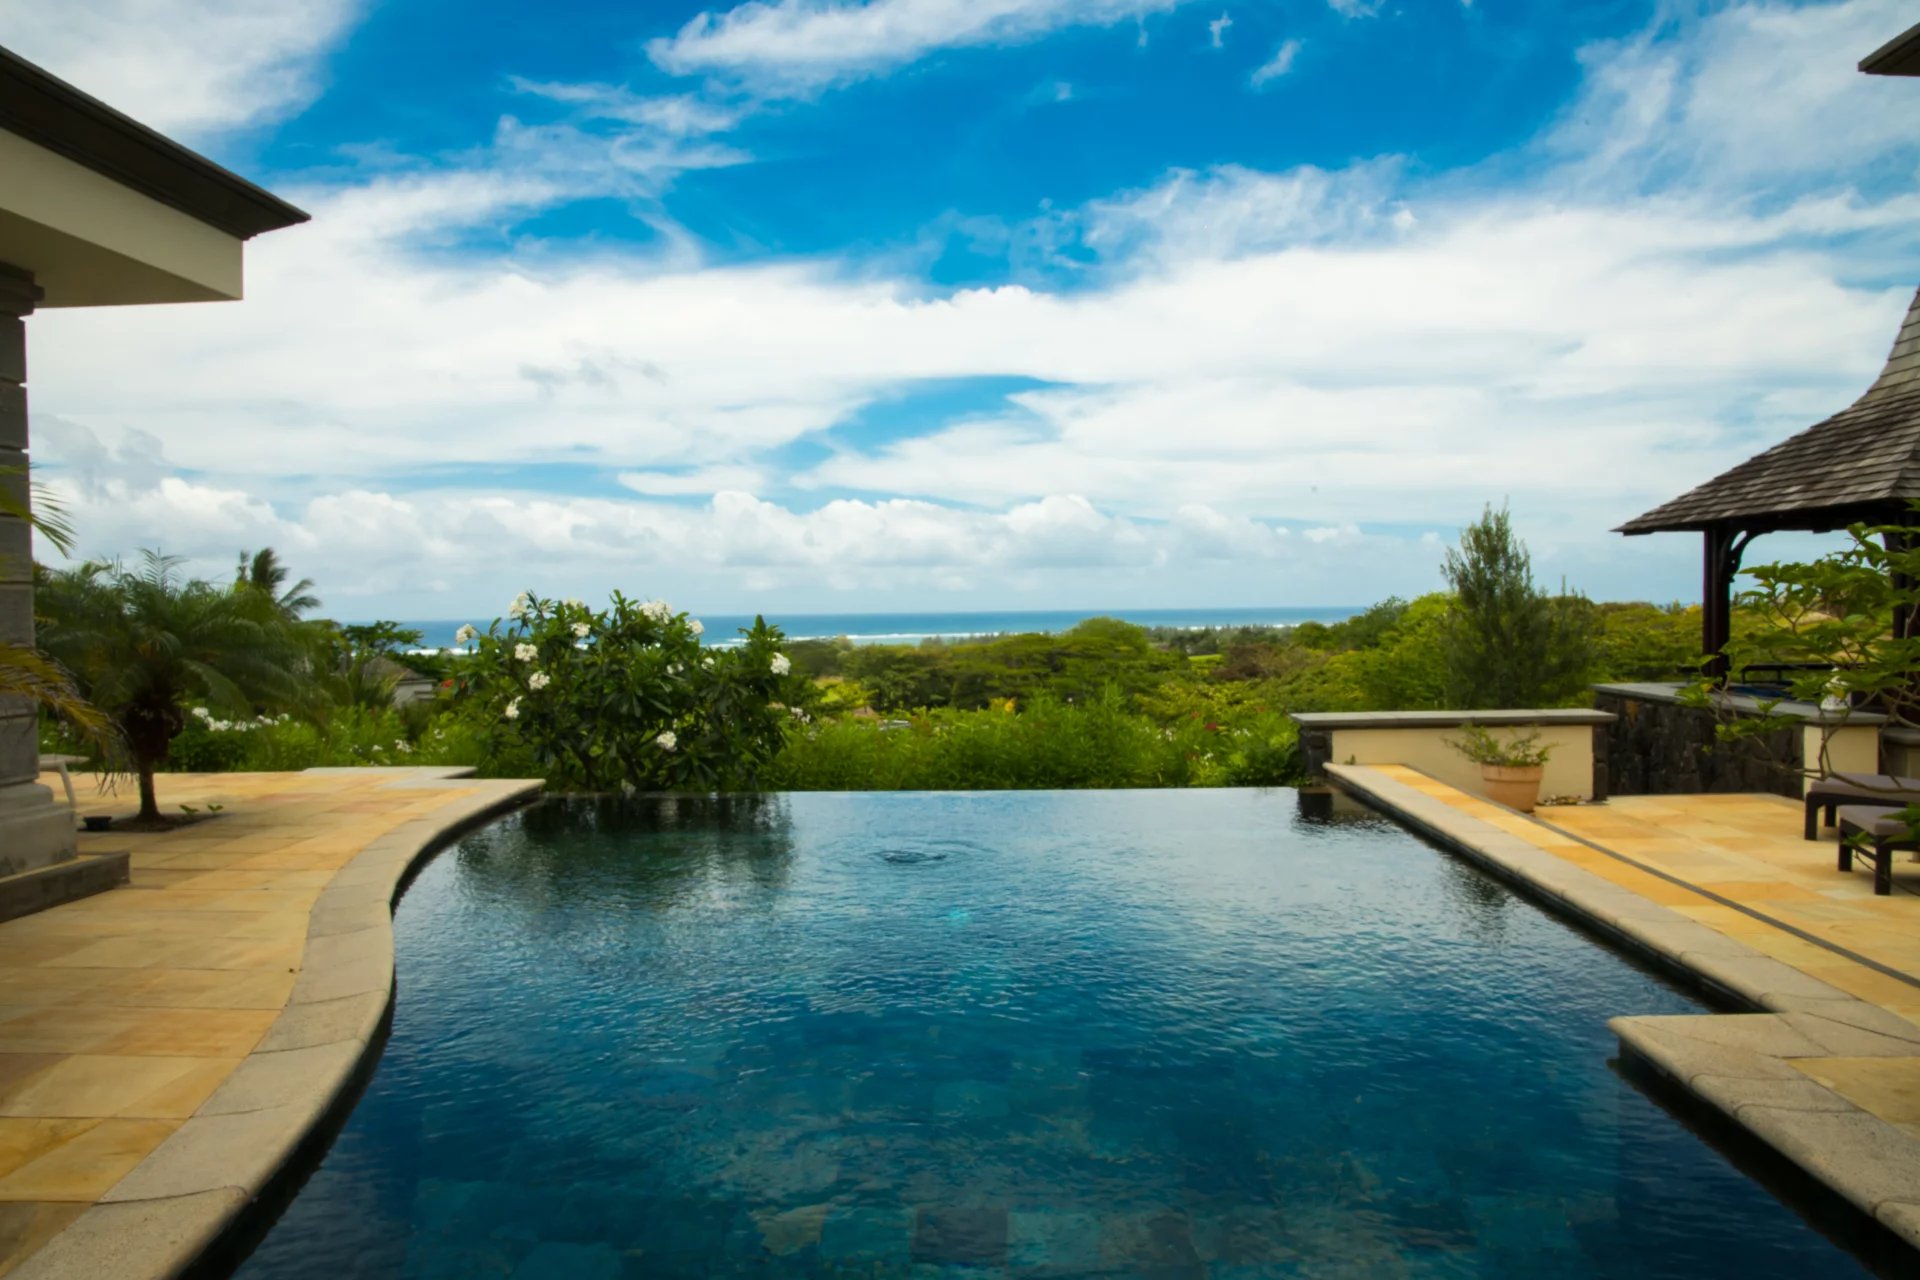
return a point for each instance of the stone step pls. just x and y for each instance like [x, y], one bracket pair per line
[78, 877]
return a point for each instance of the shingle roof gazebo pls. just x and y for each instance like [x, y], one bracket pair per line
[1862, 464]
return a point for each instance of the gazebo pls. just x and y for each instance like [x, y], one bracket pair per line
[1862, 464]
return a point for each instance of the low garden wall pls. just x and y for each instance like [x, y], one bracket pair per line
[1656, 745]
[1421, 740]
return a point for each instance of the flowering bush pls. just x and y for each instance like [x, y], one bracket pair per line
[629, 697]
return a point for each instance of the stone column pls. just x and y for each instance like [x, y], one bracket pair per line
[34, 830]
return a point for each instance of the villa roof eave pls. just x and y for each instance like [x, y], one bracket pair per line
[1899, 56]
[51, 113]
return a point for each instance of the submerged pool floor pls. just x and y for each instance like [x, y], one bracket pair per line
[1176, 1034]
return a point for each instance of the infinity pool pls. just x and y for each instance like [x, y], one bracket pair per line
[1170, 1034]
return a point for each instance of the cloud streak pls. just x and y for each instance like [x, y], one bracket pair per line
[1277, 66]
[799, 45]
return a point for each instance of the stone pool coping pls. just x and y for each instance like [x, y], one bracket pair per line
[159, 1219]
[1741, 1065]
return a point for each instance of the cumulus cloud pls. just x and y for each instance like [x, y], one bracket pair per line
[795, 45]
[188, 67]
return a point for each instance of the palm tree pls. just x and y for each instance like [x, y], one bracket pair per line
[25, 672]
[263, 571]
[143, 642]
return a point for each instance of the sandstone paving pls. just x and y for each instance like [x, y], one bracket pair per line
[155, 1038]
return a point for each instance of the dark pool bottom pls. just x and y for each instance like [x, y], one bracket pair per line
[1176, 1034]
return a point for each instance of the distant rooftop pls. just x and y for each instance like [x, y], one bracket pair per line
[51, 113]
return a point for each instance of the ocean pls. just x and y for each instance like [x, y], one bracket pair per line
[912, 628]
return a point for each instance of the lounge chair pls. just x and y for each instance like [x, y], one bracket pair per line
[1861, 790]
[1885, 834]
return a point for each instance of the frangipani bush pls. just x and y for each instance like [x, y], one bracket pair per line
[628, 697]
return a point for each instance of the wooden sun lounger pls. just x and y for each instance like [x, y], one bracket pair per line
[1885, 835]
[1861, 790]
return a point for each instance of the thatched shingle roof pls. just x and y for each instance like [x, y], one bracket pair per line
[1863, 463]
[1899, 56]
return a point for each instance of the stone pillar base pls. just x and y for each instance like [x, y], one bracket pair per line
[35, 831]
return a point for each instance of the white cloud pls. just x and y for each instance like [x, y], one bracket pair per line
[188, 67]
[1250, 352]
[1759, 93]
[794, 45]
[682, 115]
[1354, 8]
[1217, 29]
[699, 481]
[1278, 65]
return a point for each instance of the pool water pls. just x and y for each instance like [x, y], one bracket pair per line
[1170, 1034]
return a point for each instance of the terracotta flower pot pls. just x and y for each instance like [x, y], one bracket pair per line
[1514, 788]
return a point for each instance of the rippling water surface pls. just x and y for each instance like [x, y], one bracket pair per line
[1050, 1034]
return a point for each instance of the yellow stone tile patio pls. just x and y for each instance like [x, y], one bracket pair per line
[123, 1013]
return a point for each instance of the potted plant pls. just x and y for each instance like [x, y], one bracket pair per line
[1510, 770]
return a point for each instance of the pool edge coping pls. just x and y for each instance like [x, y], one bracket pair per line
[1738, 1064]
[172, 1208]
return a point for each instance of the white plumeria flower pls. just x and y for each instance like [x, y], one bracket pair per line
[203, 713]
[696, 626]
[402, 746]
[513, 710]
[780, 664]
[466, 635]
[525, 652]
[657, 610]
[666, 741]
[538, 681]
[520, 606]
[576, 603]
[581, 631]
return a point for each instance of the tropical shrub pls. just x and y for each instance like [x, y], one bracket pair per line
[1505, 642]
[1845, 625]
[141, 643]
[629, 697]
[1407, 666]
[1049, 743]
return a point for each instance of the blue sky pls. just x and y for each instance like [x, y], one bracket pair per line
[818, 304]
